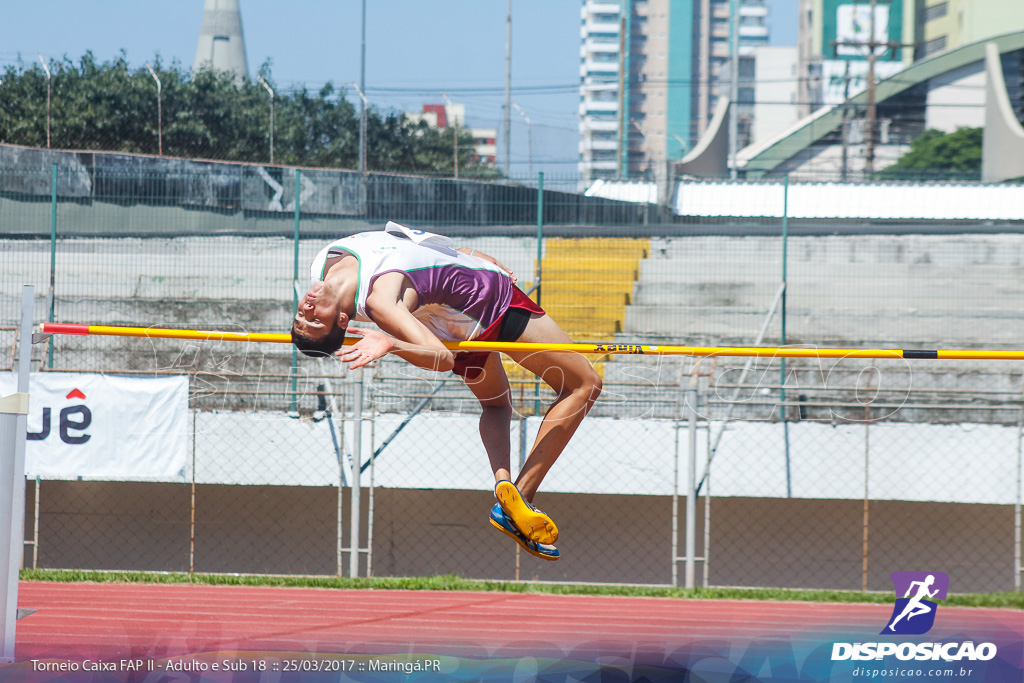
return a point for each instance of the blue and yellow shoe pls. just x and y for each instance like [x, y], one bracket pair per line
[531, 522]
[503, 524]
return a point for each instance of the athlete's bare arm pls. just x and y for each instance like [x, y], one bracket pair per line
[390, 304]
[910, 588]
[476, 253]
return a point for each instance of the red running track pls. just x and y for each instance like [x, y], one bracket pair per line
[145, 621]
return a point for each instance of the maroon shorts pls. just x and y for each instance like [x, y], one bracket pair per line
[470, 364]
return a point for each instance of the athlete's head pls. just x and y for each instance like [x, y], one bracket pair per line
[320, 323]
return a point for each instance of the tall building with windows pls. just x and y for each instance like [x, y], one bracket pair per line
[602, 32]
[651, 73]
[947, 24]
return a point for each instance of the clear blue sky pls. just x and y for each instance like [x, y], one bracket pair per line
[415, 49]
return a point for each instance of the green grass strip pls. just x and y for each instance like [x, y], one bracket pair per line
[456, 583]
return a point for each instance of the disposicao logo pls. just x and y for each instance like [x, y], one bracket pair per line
[914, 614]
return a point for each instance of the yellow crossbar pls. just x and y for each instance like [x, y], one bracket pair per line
[596, 347]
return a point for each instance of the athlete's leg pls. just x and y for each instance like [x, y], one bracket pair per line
[901, 615]
[918, 610]
[491, 389]
[576, 386]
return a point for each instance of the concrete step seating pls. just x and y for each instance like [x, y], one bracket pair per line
[590, 268]
[587, 283]
[609, 285]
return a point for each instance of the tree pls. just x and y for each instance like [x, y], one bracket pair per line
[950, 156]
[208, 115]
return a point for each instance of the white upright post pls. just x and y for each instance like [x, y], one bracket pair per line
[357, 464]
[1016, 507]
[691, 484]
[13, 429]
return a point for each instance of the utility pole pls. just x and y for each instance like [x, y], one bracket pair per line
[159, 113]
[529, 134]
[734, 86]
[869, 146]
[47, 70]
[271, 91]
[362, 129]
[846, 122]
[362, 89]
[872, 111]
[508, 84]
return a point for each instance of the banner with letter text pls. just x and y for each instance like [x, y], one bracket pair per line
[105, 427]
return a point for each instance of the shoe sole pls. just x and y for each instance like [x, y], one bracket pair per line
[521, 544]
[533, 524]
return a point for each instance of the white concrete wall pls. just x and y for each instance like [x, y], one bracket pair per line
[966, 463]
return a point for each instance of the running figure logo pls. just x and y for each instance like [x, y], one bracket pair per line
[914, 613]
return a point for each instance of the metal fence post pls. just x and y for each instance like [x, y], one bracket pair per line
[691, 481]
[357, 454]
[523, 453]
[53, 257]
[372, 464]
[539, 273]
[540, 233]
[295, 291]
[13, 431]
[782, 342]
[192, 500]
[338, 439]
[681, 403]
[675, 499]
[1016, 506]
[707, 511]
[867, 492]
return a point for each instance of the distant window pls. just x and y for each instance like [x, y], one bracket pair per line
[936, 11]
[934, 45]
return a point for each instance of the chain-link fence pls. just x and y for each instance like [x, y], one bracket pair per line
[808, 473]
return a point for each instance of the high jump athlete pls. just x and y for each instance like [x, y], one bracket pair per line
[420, 290]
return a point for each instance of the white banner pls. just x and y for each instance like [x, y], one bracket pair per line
[105, 427]
[853, 25]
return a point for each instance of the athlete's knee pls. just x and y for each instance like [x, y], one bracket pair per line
[596, 386]
[590, 386]
[496, 409]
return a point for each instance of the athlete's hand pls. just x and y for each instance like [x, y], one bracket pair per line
[373, 345]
